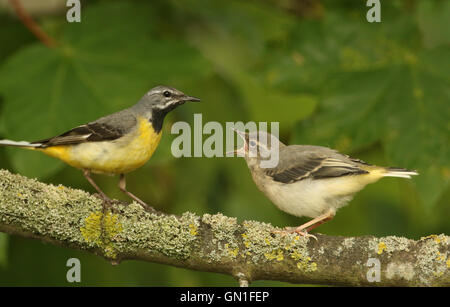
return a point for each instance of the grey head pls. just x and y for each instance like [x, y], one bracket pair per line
[260, 149]
[159, 101]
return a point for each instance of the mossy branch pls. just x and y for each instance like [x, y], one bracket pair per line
[247, 251]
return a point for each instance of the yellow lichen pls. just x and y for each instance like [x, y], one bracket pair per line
[304, 263]
[270, 256]
[296, 255]
[448, 263]
[101, 229]
[440, 257]
[280, 256]
[193, 229]
[438, 274]
[234, 252]
[429, 237]
[306, 266]
[381, 247]
[275, 254]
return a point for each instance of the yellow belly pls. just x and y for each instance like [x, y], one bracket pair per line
[120, 156]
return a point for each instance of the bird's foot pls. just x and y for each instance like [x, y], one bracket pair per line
[297, 230]
[107, 203]
[144, 205]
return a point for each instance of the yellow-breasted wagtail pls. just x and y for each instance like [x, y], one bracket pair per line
[312, 181]
[115, 144]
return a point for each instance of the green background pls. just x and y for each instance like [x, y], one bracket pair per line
[376, 91]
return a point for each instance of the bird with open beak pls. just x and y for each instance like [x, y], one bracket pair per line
[311, 181]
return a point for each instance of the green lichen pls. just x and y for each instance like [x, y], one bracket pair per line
[261, 245]
[348, 242]
[430, 259]
[170, 236]
[26, 201]
[224, 238]
[389, 245]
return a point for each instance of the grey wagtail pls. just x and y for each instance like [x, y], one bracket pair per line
[311, 181]
[115, 144]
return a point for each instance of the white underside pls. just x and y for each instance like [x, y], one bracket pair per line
[311, 197]
[308, 197]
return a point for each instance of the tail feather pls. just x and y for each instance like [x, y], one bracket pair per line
[19, 144]
[399, 172]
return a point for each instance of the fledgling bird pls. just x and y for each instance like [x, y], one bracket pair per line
[115, 144]
[311, 181]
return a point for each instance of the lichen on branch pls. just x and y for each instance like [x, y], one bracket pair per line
[216, 243]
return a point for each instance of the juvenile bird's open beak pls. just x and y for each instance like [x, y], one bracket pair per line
[240, 152]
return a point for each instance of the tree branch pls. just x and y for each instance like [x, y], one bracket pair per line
[248, 251]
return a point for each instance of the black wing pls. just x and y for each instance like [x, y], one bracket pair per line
[314, 165]
[92, 132]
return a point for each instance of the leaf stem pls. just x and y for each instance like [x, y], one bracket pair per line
[28, 21]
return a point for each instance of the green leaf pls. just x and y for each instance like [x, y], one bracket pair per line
[351, 99]
[404, 107]
[235, 36]
[378, 84]
[434, 22]
[102, 65]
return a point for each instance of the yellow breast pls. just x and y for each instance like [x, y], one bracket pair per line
[120, 156]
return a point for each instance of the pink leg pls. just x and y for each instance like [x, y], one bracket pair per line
[123, 187]
[106, 199]
[308, 226]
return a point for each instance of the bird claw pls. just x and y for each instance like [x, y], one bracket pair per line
[301, 232]
[108, 203]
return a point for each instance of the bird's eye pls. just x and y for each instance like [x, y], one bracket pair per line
[252, 143]
[167, 94]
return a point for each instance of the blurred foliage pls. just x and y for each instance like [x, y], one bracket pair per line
[378, 91]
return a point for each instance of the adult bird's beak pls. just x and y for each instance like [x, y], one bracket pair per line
[191, 98]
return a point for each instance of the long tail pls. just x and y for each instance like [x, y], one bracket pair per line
[399, 172]
[19, 144]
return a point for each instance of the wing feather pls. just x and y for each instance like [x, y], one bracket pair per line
[92, 132]
[316, 164]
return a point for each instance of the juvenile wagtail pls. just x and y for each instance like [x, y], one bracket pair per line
[115, 144]
[312, 181]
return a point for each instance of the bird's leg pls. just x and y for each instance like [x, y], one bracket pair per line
[320, 222]
[308, 226]
[106, 199]
[123, 187]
